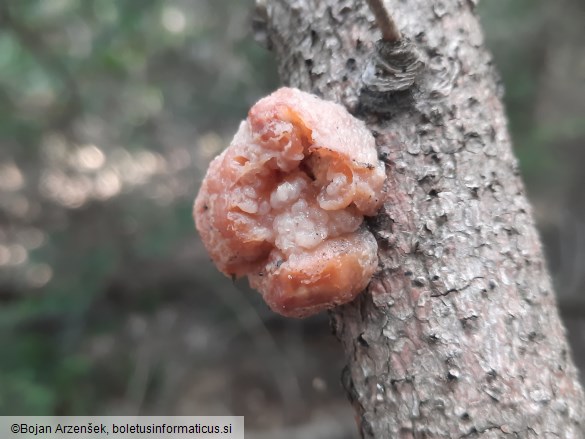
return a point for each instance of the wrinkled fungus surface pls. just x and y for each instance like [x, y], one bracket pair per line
[284, 203]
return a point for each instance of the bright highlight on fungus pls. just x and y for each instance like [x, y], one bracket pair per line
[284, 203]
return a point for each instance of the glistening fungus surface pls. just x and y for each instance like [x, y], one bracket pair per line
[285, 202]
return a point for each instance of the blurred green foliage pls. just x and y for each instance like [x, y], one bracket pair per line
[525, 36]
[117, 79]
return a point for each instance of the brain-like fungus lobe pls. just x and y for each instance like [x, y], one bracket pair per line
[285, 202]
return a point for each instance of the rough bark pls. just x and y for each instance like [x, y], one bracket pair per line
[458, 335]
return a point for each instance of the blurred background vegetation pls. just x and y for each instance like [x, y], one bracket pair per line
[110, 111]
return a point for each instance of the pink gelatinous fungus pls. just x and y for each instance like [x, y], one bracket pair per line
[284, 203]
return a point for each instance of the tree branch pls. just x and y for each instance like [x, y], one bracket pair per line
[385, 21]
[492, 353]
